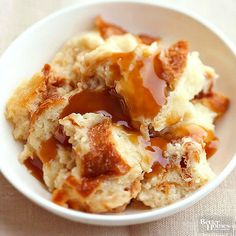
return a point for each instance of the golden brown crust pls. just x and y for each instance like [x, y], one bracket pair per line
[73, 191]
[136, 204]
[182, 167]
[101, 162]
[52, 82]
[147, 39]
[35, 166]
[83, 186]
[175, 61]
[21, 105]
[103, 159]
[30, 95]
[44, 84]
[34, 87]
[157, 169]
[107, 29]
[50, 102]
[215, 102]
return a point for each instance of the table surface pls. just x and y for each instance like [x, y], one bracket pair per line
[19, 216]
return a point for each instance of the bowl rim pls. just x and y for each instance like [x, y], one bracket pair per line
[132, 218]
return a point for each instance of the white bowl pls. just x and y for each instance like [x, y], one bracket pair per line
[36, 46]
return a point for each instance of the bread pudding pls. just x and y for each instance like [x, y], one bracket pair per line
[117, 117]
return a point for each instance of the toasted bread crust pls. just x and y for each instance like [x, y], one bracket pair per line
[103, 159]
[174, 62]
[216, 102]
[106, 29]
[50, 102]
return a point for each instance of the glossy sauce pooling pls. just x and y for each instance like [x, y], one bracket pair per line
[106, 102]
[35, 166]
[139, 84]
[101, 162]
[48, 150]
[154, 147]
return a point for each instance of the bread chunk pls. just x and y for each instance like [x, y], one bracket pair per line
[186, 171]
[109, 166]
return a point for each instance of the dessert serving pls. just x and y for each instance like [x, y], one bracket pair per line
[117, 117]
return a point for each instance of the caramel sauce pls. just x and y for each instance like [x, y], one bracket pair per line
[107, 29]
[159, 142]
[147, 39]
[154, 147]
[84, 186]
[136, 204]
[48, 150]
[158, 67]
[75, 204]
[158, 145]
[192, 130]
[141, 87]
[37, 83]
[60, 196]
[157, 168]
[106, 102]
[87, 185]
[52, 101]
[215, 101]
[35, 166]
[61, 137]
[211, 147]
[198, 133]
